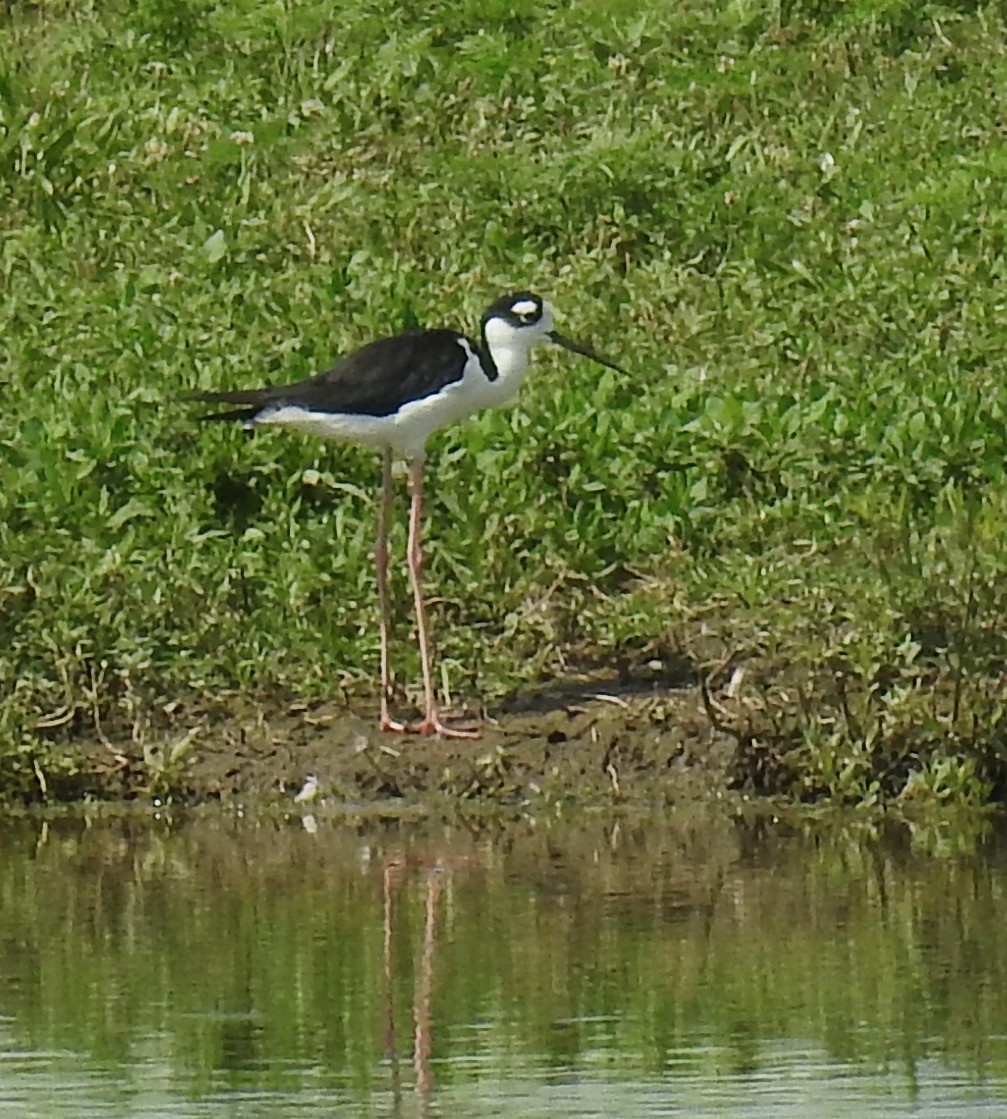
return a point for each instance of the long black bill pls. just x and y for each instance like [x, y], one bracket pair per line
[577, 348]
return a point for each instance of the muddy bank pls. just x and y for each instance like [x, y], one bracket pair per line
[626, 737]
[588, 743]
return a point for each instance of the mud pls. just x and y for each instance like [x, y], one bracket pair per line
[592, 743]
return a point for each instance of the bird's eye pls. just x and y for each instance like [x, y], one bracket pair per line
[526, 311]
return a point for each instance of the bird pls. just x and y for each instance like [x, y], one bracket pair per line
[392, 395]
[309, 790]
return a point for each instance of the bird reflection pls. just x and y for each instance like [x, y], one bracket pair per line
[395, 872]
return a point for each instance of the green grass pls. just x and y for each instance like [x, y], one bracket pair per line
[804, 472]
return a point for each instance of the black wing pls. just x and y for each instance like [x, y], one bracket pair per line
[375, 380]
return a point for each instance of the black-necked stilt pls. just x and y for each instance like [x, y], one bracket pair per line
[393, 394]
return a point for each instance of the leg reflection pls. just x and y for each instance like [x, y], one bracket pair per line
[395, 871]
[424, 989]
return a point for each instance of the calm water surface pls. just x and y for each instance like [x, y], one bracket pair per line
[663, 969]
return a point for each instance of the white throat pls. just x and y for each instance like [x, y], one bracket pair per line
[510, 350]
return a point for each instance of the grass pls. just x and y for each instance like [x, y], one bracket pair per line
[787, 219]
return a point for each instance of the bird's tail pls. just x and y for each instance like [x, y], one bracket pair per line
[252, 401]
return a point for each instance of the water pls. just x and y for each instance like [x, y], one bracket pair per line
[217, 969]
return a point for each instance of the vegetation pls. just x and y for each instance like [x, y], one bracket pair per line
[785, 218]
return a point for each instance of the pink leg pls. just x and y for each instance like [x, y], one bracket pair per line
[431, 723]
[381, 562]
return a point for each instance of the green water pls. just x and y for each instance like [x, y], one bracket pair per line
[717, 969]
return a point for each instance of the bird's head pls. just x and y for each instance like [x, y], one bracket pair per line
[522, 320]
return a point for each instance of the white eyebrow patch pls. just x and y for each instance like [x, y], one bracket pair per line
[525, 307]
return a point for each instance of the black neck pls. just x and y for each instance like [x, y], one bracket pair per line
[486, 357]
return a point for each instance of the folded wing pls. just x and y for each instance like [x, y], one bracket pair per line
[375, 380]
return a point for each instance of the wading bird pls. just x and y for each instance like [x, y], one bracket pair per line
[393, 394]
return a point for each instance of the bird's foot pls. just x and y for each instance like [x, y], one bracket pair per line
[433, 725]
